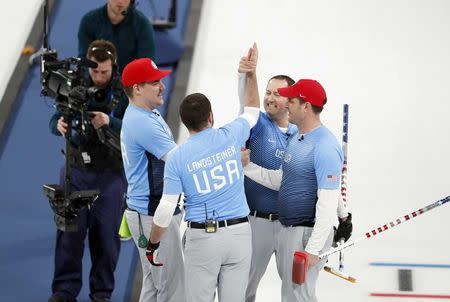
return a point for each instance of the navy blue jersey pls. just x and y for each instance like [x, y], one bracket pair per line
[312, 161]
[267, 143]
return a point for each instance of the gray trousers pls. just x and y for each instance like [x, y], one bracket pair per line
[293, 239]
[264, 244]
[221, 260]
[165, 283]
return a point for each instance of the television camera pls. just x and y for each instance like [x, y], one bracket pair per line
[64, 81]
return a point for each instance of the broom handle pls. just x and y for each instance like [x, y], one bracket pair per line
[387, 226]
[344, 174]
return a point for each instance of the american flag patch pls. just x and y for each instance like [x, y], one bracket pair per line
[331, 178]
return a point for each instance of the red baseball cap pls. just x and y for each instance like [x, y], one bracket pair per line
[308, 90]
[141, 71]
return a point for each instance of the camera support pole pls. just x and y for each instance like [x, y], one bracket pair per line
[45, 46]
[68, 135]
[67, 203]
[67, 154]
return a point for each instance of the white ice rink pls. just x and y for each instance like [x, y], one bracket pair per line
[390, 61]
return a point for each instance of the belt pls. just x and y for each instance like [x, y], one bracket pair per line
[269, 216]
[303, 224]
[221, 224]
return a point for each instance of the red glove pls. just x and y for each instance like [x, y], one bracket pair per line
[150, 251]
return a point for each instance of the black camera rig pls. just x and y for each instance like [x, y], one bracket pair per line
[64, 81]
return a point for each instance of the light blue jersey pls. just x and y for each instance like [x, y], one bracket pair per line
[267, 144]
[312, 161]
[145, 138]
[208, 169]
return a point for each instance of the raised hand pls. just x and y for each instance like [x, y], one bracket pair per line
[248, 63]
[253, 54]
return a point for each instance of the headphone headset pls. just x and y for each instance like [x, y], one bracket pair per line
[125, 12]
[116, 83]
[110, 55]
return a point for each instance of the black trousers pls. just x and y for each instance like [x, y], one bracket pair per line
[101, 223]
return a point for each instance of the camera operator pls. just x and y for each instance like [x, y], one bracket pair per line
[93, 166]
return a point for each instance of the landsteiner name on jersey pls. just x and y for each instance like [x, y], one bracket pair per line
[217, 169]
